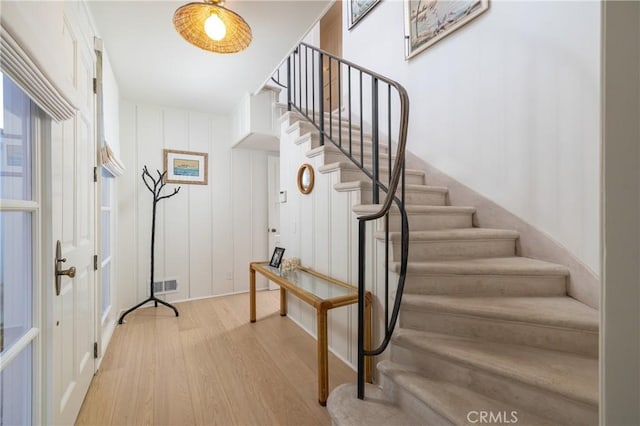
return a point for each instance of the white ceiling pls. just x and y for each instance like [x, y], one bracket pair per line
[153, 64]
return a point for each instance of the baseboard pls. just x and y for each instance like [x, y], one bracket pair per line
[583, 284]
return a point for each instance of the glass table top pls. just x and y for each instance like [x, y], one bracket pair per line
[313, 284]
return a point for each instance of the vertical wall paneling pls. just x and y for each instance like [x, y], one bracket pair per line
[249, 176]
[242, 232]
[127, 201]
[321, 229]
[259, 220]
[149, 153]
[200, 212]
[207, 234]
[220, 162]
[174, 249]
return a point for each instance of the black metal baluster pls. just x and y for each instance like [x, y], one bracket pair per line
[361, 317]
[330, 101]
[339, 106]
[349, 99]
[361, 129]
[321, 96]
[374, 140]
[289, 83]
[306, 79]
[313, 82]
[300, 81]
[389, 129]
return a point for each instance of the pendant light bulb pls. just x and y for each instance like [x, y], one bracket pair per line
[215, 28]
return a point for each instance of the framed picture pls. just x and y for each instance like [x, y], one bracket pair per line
[276, 257]
[359, 8]
[186, 167]
[427, 22]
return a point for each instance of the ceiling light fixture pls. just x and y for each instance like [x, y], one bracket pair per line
[212, 27]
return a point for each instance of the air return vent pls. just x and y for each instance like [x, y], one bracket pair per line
[166, 286]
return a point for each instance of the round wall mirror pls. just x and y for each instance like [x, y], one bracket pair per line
[305, 178]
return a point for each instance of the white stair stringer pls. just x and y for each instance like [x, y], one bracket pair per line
[482, 331]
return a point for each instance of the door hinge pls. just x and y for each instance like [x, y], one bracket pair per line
[95, 350]
[95, 262]
[95, 174]
[95, 86]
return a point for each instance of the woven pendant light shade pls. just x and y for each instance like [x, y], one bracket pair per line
[189, 22]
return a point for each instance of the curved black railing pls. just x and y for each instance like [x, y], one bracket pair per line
[315, 81]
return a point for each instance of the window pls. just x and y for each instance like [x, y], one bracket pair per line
[107, 229]
[19, 218]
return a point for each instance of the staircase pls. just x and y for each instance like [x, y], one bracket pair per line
[484, 336]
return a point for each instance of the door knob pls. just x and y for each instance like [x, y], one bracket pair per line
[71, 272]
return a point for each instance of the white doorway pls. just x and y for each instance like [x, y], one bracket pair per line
[273, 198]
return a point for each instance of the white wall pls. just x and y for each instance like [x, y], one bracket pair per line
[509, 106]
[111, 104]
[207, 234]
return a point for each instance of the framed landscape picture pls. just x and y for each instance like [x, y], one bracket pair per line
[428, 21]
[359, 8]
[186, 167]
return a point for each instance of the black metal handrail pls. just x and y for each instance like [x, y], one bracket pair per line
[307, 94]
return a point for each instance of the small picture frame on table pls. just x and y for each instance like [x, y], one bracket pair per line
[276, 257]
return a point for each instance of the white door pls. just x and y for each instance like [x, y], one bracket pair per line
[73, 213]
[273, 198]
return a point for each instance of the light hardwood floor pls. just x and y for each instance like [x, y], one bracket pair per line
[210, 366]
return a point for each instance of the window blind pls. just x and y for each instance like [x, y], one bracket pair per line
[17, 65]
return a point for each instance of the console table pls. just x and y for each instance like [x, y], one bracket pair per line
[321, 292]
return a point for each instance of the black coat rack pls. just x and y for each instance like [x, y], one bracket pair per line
[158, 184]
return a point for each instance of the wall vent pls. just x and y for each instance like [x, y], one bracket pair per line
[166, 286]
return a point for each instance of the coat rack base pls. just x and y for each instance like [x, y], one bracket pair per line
[155, 301]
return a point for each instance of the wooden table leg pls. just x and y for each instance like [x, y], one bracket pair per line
[323, 356]
[252, 294]
[283, 302]
[368, 361]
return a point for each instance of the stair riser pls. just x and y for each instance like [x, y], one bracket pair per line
[496, 330]
[542, 402]
[423, 198]
[366, 143]
[410, 404]
[431, 221]
[487, 285]
[353, 175]
[329, 157]
[454, 249]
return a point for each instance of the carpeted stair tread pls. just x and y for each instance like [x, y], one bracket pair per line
[572, 376]
[334, 149]
[415, 209]
[348, 165]
[463, 234]
[564, 312]
[347, 410]
[454, 402]
[366, 186]
[514, 265]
